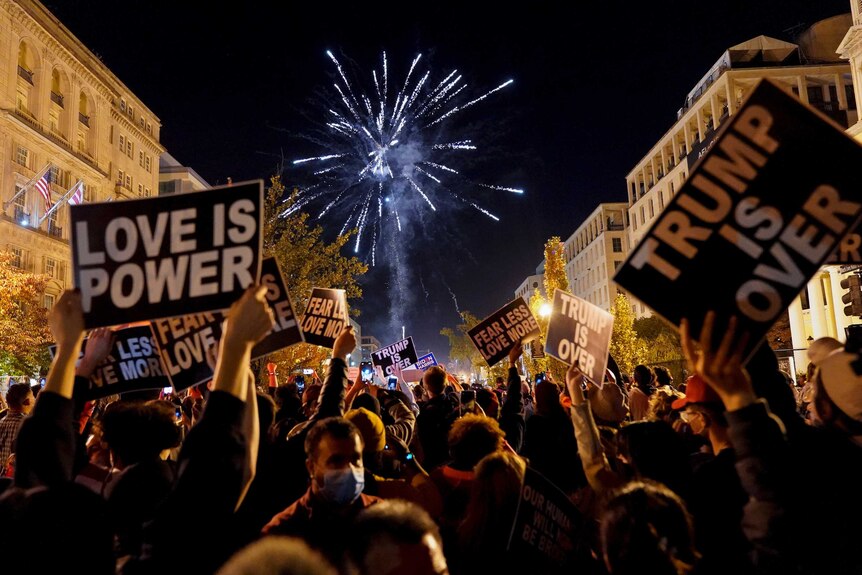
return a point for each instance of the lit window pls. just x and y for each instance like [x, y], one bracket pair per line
[47, 301]
[22, 156]
[149, 163]
[122, 143]
[17, 257]
[50, 267]
[617, 245]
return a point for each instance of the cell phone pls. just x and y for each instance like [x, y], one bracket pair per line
[540, 377]
[167, 390]
[392, 382]
[366, 370]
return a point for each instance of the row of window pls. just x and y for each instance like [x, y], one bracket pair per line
[129, 111]
[126, 180]
[127, 147]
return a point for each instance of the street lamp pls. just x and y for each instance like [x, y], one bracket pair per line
[545, 310]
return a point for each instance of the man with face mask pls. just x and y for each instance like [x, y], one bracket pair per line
[324, 514]
[717, 498]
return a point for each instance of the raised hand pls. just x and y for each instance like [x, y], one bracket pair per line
[574, 381]
[515, 353]
[99, 345]
[344, 343]
[67, 321]
[249, 318]
[721, 368]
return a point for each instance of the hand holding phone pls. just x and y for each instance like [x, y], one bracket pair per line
[366, 371]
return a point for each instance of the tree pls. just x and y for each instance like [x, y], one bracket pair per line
[306, 261]
[24, 332]
[555, 267]
[626, 348]
[461, 348]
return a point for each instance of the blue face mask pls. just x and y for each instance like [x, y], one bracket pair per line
[343, 486]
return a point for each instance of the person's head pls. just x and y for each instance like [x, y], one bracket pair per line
[822, 347]
[471, 438]
[643, 378]
[20, 398]
[653, 450]
[396, 537]
[661, 405]
[499, 381]
[645, 528]
[309, 399]
[607, 403]
[663, 376]
[434, 380]
[333, 449]
[548, 399]
[367, 401]
[371, 429]
[136, 431]
[494, 498]
[838, 393]
[277, 555]
[701, 408]
[489, 402]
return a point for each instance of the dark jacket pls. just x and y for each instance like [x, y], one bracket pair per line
[436, 417]
[512, 419]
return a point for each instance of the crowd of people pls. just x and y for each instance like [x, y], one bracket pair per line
[731, 471]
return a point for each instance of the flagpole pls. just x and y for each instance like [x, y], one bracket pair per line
[60, 202]
[27, 186]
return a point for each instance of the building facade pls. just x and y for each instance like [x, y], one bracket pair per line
[64, 114]
[368, 344]
[530, 285]
[812, 71]
[594, 252]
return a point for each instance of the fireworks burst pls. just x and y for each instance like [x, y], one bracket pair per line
[383, 150]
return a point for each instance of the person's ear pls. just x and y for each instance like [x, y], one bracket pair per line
[309, 466]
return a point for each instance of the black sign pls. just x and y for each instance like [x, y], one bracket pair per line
[397, 356]
[325, 316]
[132, 365]
[579, 332]
[495, 335]
[546, 525]
[286, 331]
[755, 219]
[166, 256]
[849, 251]
[183, 343]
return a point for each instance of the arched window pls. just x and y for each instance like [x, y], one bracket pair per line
[26, 88]
[57, 112]
[86, 118]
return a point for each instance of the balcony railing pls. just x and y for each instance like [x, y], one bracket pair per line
[615, 227]
[55, 231]
[26, 74]
[57, 98]
[84, 119]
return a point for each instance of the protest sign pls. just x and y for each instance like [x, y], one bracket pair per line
[579, 333]
[395, 357]
[754, 220]
[183, 343]
[352, 373]
[495, 335]
[286, 331]
[133, 364]
[546, 524]
[166, 256]
[325, 316]
[536, 349]
[849, 251]
[425, 362]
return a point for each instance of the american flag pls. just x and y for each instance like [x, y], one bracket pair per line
[44, 187]
[77, 196]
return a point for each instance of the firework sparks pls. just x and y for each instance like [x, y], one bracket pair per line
[390, 149]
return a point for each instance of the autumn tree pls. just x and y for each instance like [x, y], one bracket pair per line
[555, 267]
[555, 278]
[626, 348]
[306, 260]
[24, 333]
[461, 348]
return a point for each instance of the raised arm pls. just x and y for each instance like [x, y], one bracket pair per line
[45, 449]
[334, 386]
[512, 412]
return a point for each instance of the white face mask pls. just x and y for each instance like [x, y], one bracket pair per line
[343, 486]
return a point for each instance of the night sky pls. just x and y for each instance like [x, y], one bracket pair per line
[595, 87]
